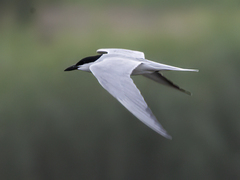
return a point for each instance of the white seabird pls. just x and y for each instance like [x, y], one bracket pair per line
[113, 68]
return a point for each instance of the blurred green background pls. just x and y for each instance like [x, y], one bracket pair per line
[59, 125]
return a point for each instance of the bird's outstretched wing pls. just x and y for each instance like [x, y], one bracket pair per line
[114, 75]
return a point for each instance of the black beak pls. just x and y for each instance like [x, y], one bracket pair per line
[74, 67]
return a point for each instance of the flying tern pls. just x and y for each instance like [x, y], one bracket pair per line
[113, 68]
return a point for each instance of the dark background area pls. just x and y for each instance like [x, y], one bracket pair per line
[59, 125]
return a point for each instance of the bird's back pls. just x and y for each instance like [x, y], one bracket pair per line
[123, 52]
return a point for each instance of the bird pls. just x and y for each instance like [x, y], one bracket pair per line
[113, 68]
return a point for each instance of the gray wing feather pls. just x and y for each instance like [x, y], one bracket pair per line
[114, 76]
[158, 77]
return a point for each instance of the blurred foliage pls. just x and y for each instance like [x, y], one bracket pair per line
[58, 125]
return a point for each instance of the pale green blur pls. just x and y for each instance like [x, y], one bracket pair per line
[64, 125]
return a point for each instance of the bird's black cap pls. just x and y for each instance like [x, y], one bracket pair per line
[89, 59]
[83, 61]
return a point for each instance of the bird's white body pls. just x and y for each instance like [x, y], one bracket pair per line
[113, 70]
[145, 66]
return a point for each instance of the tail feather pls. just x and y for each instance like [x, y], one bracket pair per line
[165, 67]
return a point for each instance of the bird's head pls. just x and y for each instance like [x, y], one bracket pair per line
[84, 63]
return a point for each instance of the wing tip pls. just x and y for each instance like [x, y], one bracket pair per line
[102, 51]
[164, 133]
[186, 92]
[168, 136]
